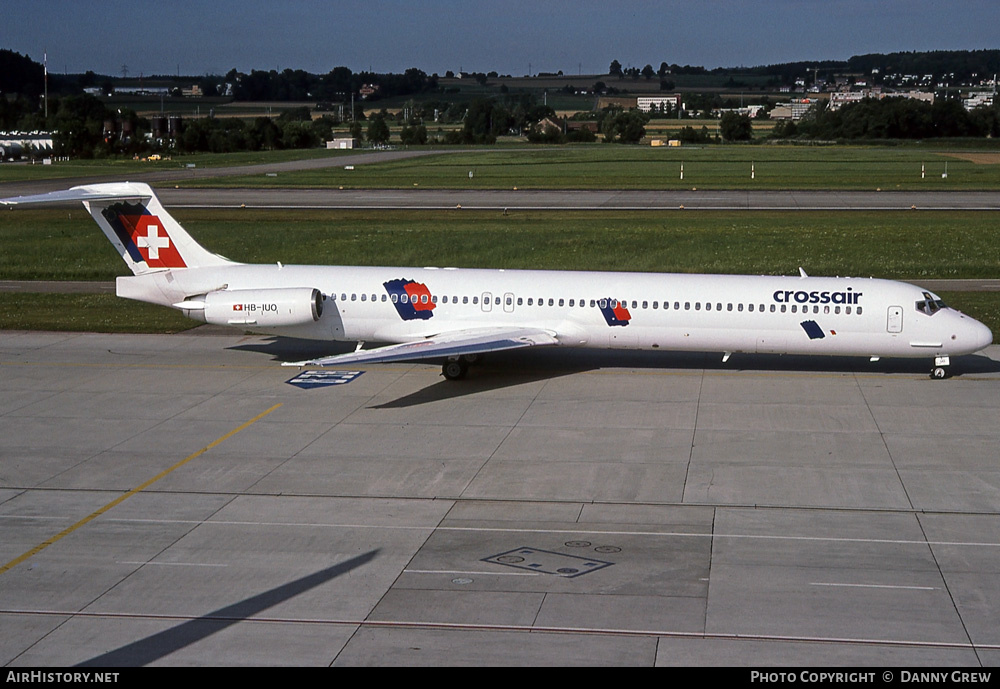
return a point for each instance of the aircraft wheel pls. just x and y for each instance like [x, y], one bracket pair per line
[471, 358]
[454, 370]
[939, 372]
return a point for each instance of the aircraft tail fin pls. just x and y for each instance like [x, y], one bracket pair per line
[147, 237]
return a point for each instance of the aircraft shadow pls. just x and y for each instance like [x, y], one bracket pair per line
[508, 369]
[152, 648]
[487, 376]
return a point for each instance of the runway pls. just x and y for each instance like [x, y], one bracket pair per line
[567, 200]
[175, 500]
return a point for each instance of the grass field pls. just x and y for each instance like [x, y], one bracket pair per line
[590, 166]
[67, 245]
[607, 166]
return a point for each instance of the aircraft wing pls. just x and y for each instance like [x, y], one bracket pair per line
[441, 346]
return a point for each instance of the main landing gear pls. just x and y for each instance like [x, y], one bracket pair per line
[456, 367]
[941, 367]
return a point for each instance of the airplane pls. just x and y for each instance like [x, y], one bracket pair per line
[456, 315]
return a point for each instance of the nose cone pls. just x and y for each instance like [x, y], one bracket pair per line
[982, 336]
[972, 335]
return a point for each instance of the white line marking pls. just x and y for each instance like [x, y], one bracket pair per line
[575, 532]
[172, 564]
[455, 571]
[875, 586]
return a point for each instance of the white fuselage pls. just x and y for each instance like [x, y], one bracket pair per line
[793, 315]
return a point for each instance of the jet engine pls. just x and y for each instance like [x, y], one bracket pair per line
[262, 307]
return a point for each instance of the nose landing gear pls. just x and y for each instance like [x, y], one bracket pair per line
[942, 367]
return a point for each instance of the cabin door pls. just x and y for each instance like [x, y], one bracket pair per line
[894, 319]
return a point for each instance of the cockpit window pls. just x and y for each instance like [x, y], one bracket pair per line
[929, 305]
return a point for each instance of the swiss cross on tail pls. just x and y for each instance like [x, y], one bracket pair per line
[144, 236]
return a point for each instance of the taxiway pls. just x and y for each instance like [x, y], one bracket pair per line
[175, 500]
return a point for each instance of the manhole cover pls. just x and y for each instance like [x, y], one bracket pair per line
[548, 562]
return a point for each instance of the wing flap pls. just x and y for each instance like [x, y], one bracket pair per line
[442, 346]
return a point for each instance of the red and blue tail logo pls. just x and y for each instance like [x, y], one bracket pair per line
[614, 312]
[143, 235]
[411, 299]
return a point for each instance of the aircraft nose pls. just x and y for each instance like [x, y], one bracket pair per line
[973, 335]
[983, 337]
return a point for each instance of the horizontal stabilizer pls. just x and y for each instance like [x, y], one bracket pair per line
[451, 344]
[95, 192]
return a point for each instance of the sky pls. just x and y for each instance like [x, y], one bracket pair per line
[516, 37]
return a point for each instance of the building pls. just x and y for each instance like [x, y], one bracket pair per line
[658, 103]
[839, 99]
[342, 143]
[19, 144]
[978, 99]
[793, 110]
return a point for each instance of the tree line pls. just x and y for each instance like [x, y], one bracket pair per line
[892, 118]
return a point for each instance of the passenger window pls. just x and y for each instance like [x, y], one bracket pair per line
[354, 297]
[687, 306]
[561, 302]
[772, 308]
[551, 301]
[750, 308]
[836, 309]
[645, 304]
[654, 304]
[729, 307]
[739, 307]
[859, 310]
[465, 300]
[708, 306]
[677, 305]
[475, 300]
[572, 302]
